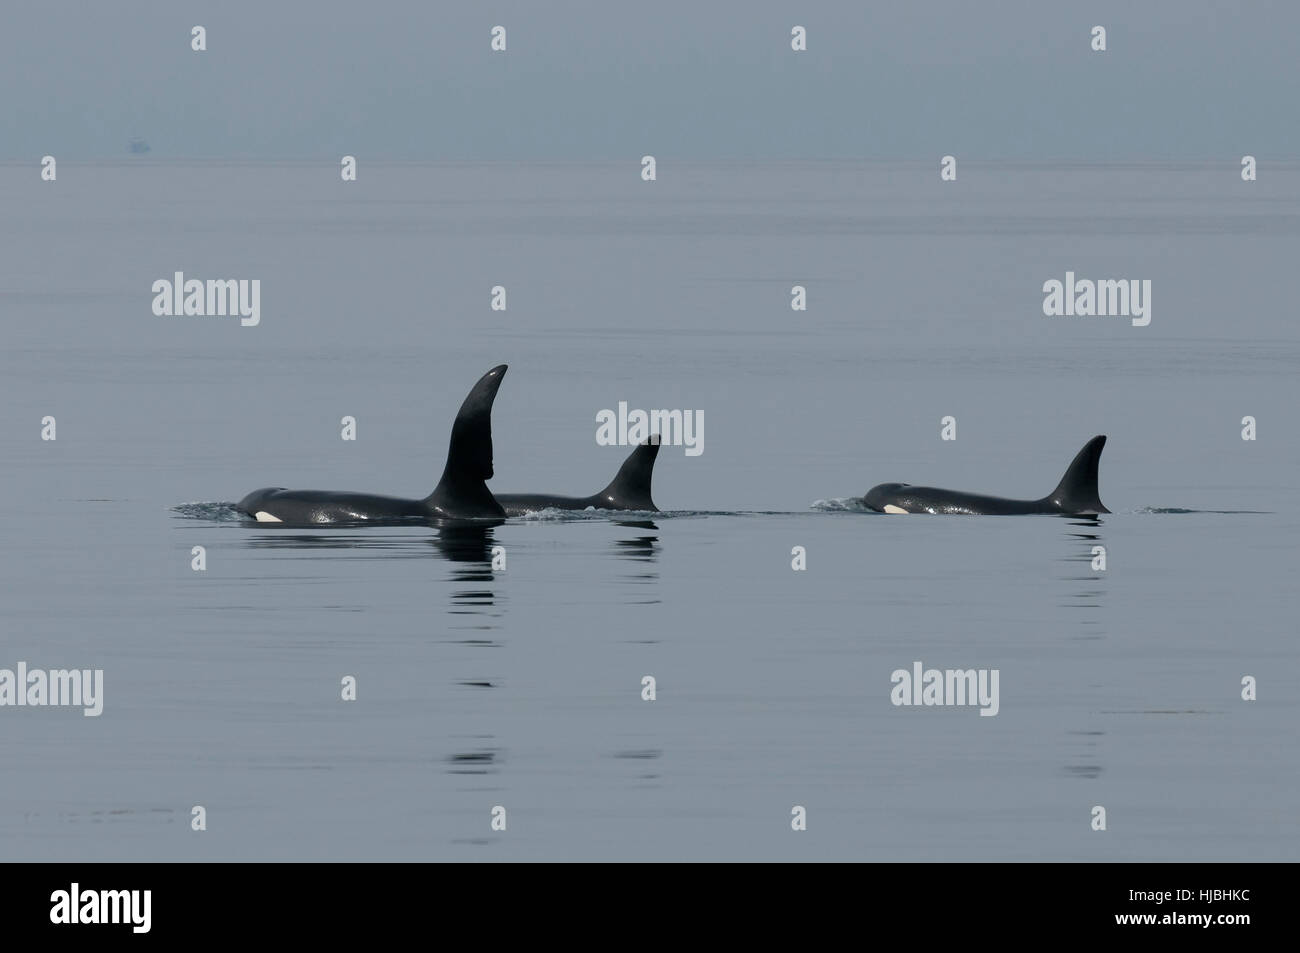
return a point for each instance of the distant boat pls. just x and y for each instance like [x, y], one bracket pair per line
[137, 146]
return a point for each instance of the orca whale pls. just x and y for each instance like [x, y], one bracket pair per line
[460, 494]
[629, 490]
[1075, 495]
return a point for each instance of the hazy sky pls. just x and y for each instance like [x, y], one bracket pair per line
[415, 79]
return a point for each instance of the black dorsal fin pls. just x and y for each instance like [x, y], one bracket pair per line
[462, 492]
[630, 488]
[1077, 492]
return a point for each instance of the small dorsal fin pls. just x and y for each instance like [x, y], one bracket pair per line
[630, 488]
[1077, 492]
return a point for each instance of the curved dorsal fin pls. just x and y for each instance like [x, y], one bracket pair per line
[462, 492]
[1077, 492]
[630, 488]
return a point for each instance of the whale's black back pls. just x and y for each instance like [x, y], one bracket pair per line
[1077, 493]
[629, 490]
[462, 492]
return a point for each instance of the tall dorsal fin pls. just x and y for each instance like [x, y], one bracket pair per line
[462, 492]
[1077, 492]
[630, 488]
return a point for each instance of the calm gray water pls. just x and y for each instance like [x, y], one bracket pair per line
[522, 688]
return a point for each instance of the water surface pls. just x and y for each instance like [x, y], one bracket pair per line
[522, 688]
